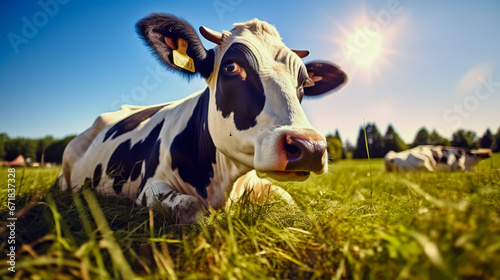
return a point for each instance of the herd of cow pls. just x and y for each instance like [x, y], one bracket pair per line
[435, 158]
[214, 145]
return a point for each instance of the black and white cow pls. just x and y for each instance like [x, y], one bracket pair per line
[431, 158]
[188, 154]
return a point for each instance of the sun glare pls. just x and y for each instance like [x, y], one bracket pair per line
[365, 54]
[364, 45]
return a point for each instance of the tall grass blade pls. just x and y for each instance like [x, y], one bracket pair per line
[164, 261]
[369, 160]
[108, 241]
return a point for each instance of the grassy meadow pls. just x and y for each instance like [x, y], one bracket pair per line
[357, 222]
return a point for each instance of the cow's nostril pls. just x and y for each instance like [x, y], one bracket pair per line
[303, 152]
[291, 148]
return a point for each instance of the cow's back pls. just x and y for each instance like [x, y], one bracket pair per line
[418, 158]
[77, 147]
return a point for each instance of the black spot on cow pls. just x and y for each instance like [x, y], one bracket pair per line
[131, 122]
[173, 196]
[136, 171]
[150, 163]
[126, 161]
[460, 153]
[193, 151]
[163, 196]
[96, 179]
[243, 97]
[468, 152]
[435, 155]
[118, 167]
[444, 158]
[87, 183]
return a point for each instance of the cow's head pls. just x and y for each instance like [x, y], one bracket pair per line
[474, 156]
[256, 86]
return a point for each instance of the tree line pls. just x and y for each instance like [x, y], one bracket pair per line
[51, 150]
[379, 145]
[45, 149]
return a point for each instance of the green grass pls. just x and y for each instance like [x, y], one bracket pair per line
[358, 222]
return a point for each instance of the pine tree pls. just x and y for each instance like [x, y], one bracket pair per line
[375, 143]
[334, 147]
[496, 143]
[422, 138]
[360, 151]
[464, 139]
[487, 140]
[392, 141]
[337, 135]
[437, 140]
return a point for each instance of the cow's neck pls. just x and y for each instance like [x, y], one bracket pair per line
[193, 151]
[198, 161]
[226, 172]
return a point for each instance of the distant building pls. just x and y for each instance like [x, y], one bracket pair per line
[18, 161]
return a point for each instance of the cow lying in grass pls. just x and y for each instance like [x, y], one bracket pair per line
[188, 154]
[431, 158]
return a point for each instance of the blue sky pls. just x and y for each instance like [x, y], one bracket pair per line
[411, 63]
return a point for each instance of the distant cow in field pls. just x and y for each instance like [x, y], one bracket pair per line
[188, 154]
[431, 158]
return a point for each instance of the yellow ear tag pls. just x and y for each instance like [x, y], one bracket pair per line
[181, 58]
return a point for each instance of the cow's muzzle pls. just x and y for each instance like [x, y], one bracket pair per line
[303, 154]
[292, 154]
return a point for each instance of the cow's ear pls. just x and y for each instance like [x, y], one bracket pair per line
[175, 42]
[324, 77]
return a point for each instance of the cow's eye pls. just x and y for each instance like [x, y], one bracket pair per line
[232, 68]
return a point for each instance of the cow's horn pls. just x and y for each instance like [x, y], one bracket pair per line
[301, 53]
[211, 35]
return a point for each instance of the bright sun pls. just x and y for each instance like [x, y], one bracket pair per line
[364, 46]
[366, 51]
